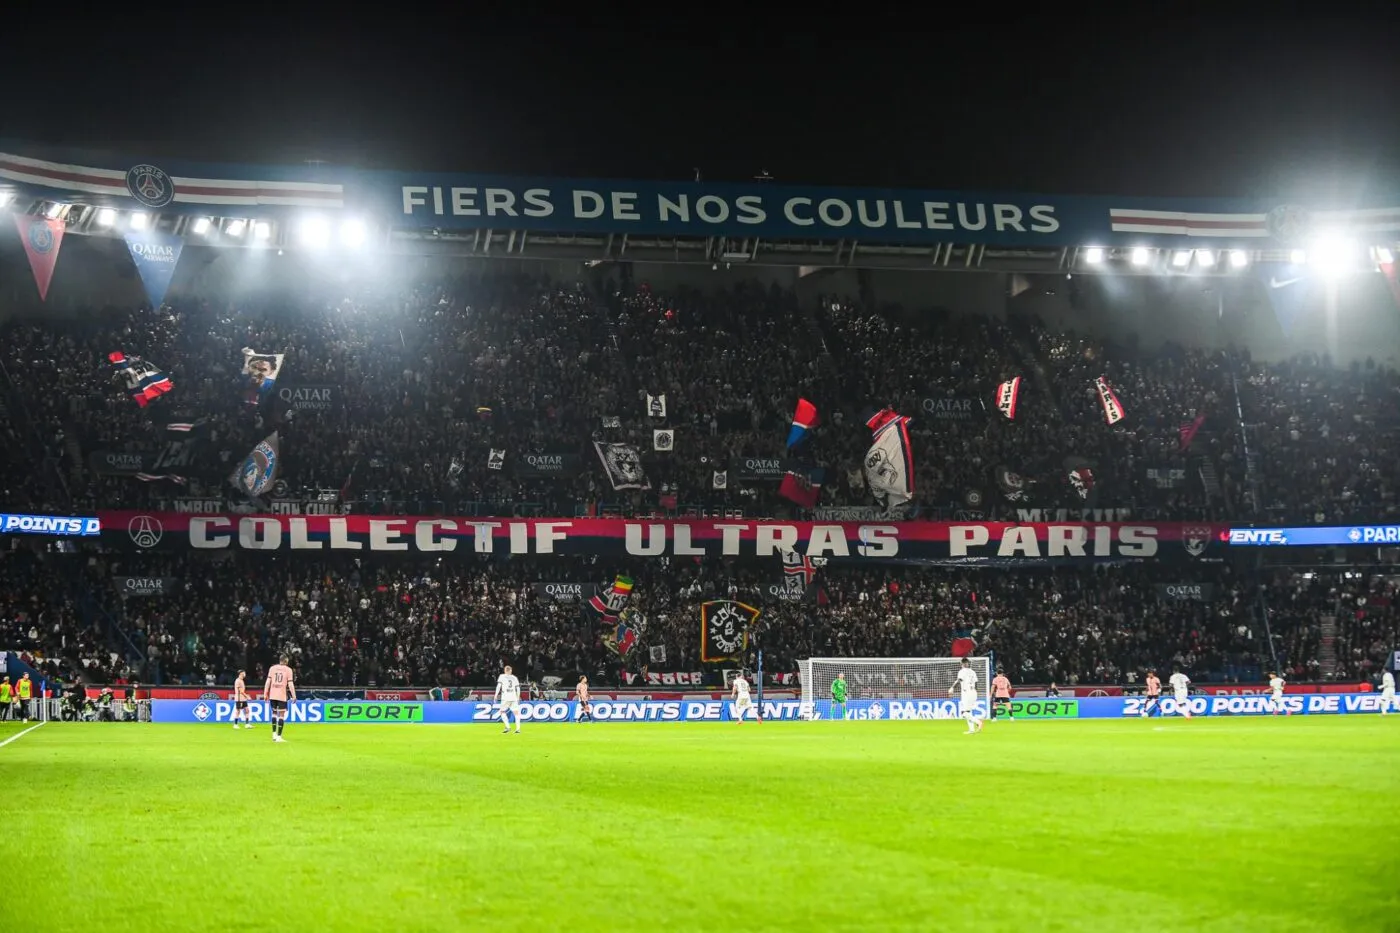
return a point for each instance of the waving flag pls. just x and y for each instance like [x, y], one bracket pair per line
[724, 629]
[889, 465]
[804, 419]
[258, 471]
[260, 371]
[1112, 408]
[1189, 429]
[802, 485]
[608, 605]
[144, 381]
[1007, 394]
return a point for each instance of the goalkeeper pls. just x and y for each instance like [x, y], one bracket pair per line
[838, 697]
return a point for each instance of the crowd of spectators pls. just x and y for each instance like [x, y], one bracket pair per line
[427, 380]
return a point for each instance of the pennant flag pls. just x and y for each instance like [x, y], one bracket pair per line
[724, 629]
[889, 464]
[1080, 473]
[259, 469]
[802, 485]
[1386, 262]
[260, 372]
[623, 465]
[608, 604]
[1189, 429]
[804, 419]
[156, 255]
[1007, 394]
[1292, 290]
[656, 406]
[720, 479]
[42, 238]
[1112, 408]
[663, 440]
[496, 459]
[143, 380]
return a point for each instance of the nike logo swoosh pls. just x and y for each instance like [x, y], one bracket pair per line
[1280, 283]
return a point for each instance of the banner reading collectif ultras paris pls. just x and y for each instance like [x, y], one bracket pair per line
[911, 542]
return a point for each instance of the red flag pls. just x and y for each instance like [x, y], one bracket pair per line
[1189, 429]
[803, 487]
[42, 238]
[1007, 394]
[962, 647]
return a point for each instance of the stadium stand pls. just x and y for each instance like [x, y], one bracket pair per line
[431, 378]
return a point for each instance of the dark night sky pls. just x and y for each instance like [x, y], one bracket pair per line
[1093, 106]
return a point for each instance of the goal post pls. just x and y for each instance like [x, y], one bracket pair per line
[883, 688]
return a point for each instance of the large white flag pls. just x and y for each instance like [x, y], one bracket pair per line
[889, 466]
[623, 465]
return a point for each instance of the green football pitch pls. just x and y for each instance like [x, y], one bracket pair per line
[1223, 824]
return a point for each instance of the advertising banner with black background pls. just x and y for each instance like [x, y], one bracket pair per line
[545, 465]
[565, 592]
[1195, 592]
[944, 543]
[144, 586]
[754, 469]
[951, 409]
[309, 397]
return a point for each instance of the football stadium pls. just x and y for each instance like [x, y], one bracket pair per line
[439, 551]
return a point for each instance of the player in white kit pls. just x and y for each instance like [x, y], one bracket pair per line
[1276, 685]
[1181, 686]
[508, 695]
[743, 702]
[966, 687]
[1388, 694]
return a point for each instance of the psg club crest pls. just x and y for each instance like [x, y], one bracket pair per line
[1195, 539]
[145, 531]
[1287, 224]
[150, 185]
[40, 237]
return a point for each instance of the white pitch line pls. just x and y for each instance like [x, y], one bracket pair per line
[20, 735]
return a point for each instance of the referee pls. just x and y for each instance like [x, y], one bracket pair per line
[838, 696]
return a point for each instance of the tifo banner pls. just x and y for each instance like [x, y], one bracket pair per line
[156, 255]
[42, 238]
[144, 586]
[918, 542]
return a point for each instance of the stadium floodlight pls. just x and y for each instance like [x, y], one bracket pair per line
[1384, 256]
[352, 233]
[236, 227]
[1093, 255]
[202, 225]
[106, 217]
[140, 220]
[1238, 259]
[1142, 256]
[1181, 258]
[262, 230]
[315, 232]
[5, 198]
[1205, 257]
[54, 210]
[884, 688]
[1334, 255]
[1298, 257]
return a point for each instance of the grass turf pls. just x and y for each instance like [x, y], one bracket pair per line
[1222, 824]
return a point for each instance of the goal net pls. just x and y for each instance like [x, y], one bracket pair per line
[889, 688]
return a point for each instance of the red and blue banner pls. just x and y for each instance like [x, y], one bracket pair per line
[873, 542]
